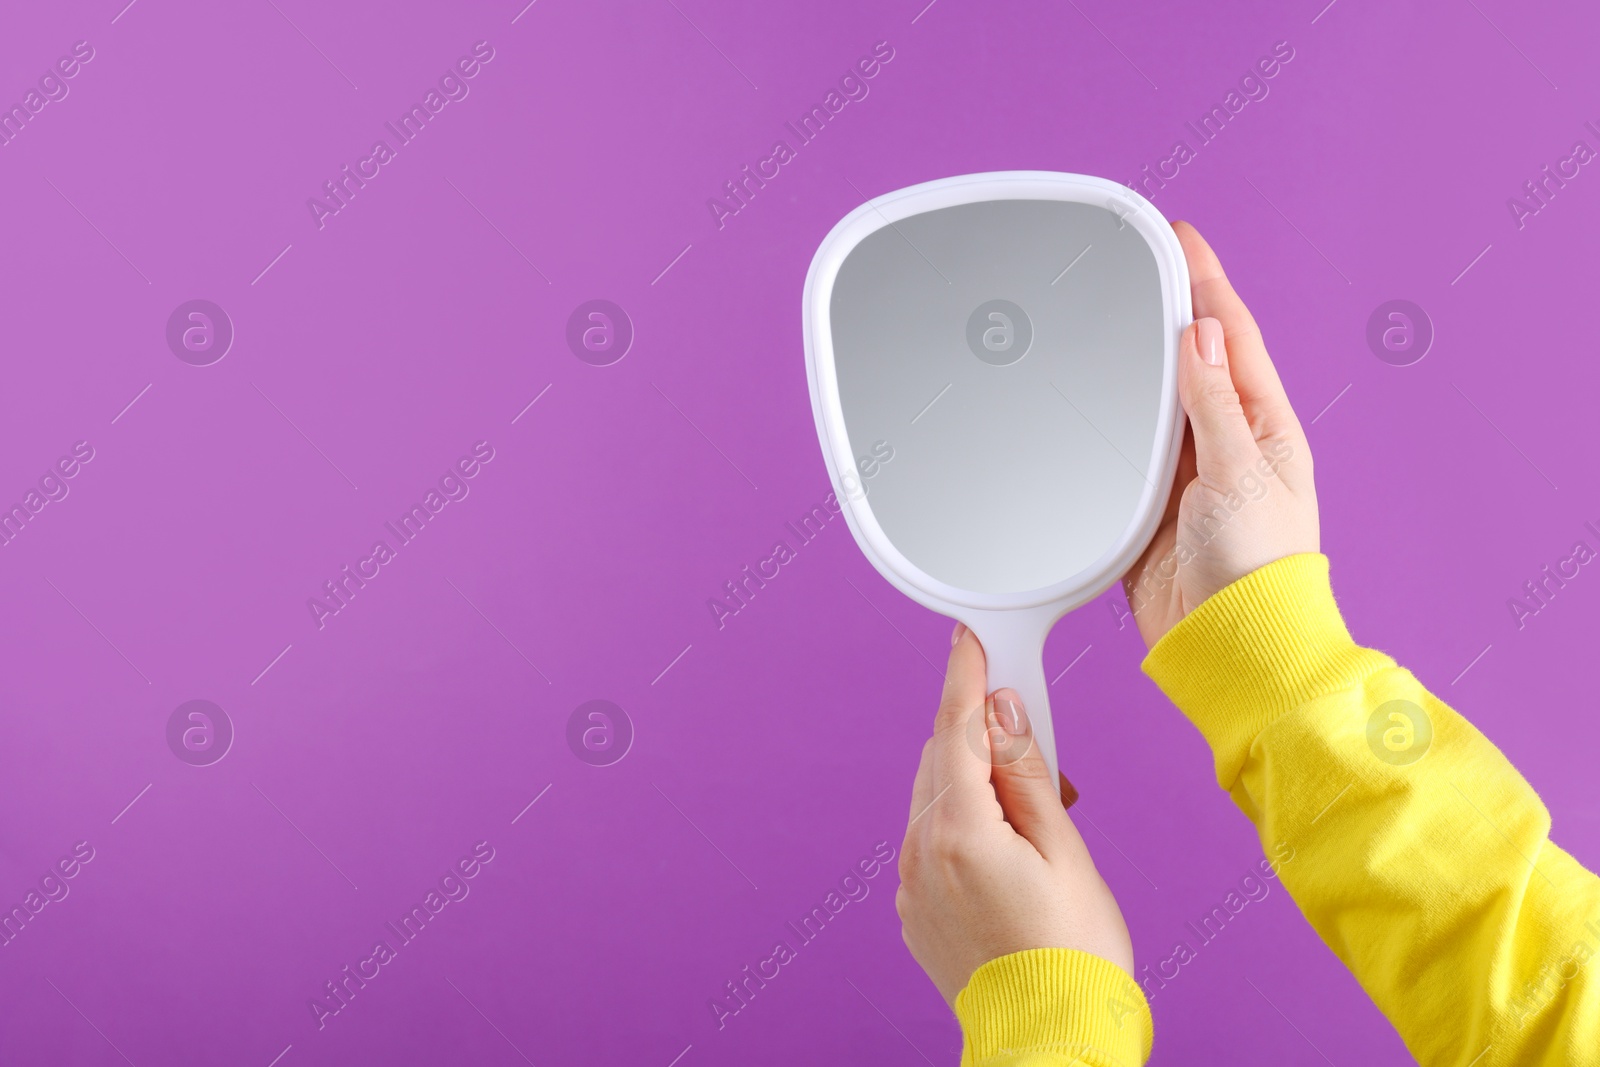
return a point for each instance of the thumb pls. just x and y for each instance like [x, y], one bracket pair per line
[1223, 442]
[1028, 793]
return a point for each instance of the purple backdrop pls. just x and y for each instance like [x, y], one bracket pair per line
[379, 338]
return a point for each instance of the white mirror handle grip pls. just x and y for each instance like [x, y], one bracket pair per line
[1013, 643]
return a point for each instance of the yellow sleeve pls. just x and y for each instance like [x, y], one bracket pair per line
[1414, 848]
[1053, 1007]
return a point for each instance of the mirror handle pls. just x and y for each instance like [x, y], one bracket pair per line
[1013, 642]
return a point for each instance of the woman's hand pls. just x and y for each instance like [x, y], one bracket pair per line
[991, 863]
[1244, 495]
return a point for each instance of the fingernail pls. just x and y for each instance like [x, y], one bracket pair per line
[955, 636]
[1208, 338]
[1009, 712]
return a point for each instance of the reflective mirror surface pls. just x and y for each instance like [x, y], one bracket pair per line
[999, 368]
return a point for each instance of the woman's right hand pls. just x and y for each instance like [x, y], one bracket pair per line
[1243, 496]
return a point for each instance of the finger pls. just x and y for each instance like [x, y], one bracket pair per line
[1028, 793]
[1185, 474]
[1166, 535]
[1256, 379]
[955, 767]
[1223, 442]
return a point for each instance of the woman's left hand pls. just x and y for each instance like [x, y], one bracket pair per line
[991, 863]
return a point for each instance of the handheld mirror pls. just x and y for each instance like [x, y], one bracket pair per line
[993, 371]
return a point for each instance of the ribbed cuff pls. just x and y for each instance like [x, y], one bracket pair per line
[1055, 1000]
[1271, 642]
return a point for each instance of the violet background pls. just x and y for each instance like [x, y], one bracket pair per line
[408, 328]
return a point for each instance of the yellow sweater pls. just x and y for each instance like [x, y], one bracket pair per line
[1422, 858]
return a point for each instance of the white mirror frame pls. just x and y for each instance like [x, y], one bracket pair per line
[1011, 626]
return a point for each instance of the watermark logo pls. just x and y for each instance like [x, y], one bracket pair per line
[599, 332]
[999, 332]
[52, 888]
[52, 89]
[740, 591]
[1203, 527]
[739, 192]
[1252, 87]
[868, 465]
[1399, 332]
[199, 733]
[1251, 888]
[599, 733]
[852, 887]
[451, 888]
[454, 85]
[199, 332]
[454, 485]
[1002, 741]
[1555, 976]
[1539, 191]
[1399, 733]
[1122, 209]
[53, 486]
[1538, 592]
